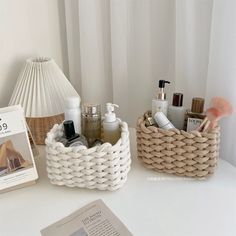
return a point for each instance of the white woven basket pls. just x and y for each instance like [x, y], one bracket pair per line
[104, 167]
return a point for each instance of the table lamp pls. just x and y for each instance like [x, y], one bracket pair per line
[41, 90]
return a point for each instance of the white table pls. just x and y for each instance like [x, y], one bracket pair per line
[150, 204]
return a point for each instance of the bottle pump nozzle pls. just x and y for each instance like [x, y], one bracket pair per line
[162, 95]
[110, 116]
[162, 83]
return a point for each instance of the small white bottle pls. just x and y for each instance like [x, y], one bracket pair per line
[176, 112]
[160, 103]
[73, 112]
[111, 125]
[162, 121]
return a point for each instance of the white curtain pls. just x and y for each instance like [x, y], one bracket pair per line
[119, 49]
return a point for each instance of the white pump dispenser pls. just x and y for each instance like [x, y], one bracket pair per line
[111, 125]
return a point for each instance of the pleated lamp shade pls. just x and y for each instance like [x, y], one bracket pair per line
[41, 89]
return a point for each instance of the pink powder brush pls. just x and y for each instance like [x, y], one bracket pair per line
[220, 108]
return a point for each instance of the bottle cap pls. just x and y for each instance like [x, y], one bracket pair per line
[177, 100]
[91, 109]
[197, 105]
[72, 102]
[110, 116]
[69, 128]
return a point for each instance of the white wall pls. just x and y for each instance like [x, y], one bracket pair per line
[29, 28]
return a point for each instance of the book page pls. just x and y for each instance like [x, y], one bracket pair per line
[95, 219]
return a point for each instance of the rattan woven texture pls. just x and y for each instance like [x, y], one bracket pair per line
[192, 154]
[104, 167]
[40, 126]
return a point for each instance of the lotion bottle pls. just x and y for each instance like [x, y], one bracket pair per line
[111, 125]
[160, 104]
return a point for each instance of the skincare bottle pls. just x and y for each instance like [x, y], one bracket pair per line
[195, 116]
[91, 122]
[73, 112]
[160, 103]
[111, 125]
[72, 139]
[162, 121]
[176, 112]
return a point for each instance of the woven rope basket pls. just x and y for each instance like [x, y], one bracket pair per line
[40, 126]
[192, 154]
[104, 167]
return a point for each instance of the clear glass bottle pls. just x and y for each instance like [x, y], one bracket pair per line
[91, 122]
[176, 112]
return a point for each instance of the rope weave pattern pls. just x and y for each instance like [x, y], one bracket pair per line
[104, 167]
[192, 154]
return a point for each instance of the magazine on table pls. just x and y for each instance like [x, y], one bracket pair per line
[17, 166]
[95, 219]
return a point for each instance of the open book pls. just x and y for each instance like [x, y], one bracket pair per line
[95, 219]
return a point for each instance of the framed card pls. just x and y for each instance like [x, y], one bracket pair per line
[17, 164]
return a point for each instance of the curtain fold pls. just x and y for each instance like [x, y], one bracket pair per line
[221, 80]
[119, 49]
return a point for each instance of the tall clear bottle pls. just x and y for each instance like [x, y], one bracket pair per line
[176, 112]
[111, 125]
[91, 122]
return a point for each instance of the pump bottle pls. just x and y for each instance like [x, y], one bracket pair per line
[160, 104]
[111, 125]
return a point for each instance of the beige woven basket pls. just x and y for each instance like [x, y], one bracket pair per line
[40, 126]
[192, 154]
[104, 167]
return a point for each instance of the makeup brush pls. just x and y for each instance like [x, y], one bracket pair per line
[219, 108]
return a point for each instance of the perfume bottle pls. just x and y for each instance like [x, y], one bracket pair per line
[72, 139]
[91, 122]
[195, 116]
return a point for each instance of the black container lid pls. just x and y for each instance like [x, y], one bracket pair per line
[177, 100]
[69, 128]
